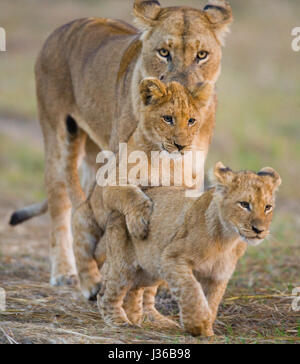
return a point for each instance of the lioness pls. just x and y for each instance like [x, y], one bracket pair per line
[88, 75]
[193, 245]
[167, 110]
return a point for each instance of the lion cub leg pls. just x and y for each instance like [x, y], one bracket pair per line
[132, 202]
[214, 291]
[150, 312]
[118, 276]
[195, 314]
[86, 234]
[133, 305]
[110, 301]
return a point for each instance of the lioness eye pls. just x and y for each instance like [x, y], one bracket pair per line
[164, 53]
[268, 208]
[168, 119]
[192, 122]
[245, 205]
[202, 55]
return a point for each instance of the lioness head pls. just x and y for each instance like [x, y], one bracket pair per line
[246, 201]
[171, 116]
[182, 44]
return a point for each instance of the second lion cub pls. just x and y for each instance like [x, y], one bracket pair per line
[193, 245]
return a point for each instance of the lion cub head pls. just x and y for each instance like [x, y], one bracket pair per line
[171, 116]
[246, 201]
[180, 43]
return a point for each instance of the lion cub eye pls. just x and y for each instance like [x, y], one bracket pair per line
[245, 205]
[164, 53]
[202, 55]
[192, 121]
[268, 208]
[168, 119]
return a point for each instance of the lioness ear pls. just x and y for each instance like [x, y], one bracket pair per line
[203, 94]
[152, 91]
[221, 176]
[272, 176]
[146, 12]
[219, 14]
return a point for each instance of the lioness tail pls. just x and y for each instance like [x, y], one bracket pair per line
[28, 213]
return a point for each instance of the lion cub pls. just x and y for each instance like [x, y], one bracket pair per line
[193, 245]
[171, 118]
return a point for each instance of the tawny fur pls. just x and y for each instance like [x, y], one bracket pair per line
[193, 245]
[152, 134]
[91, 69]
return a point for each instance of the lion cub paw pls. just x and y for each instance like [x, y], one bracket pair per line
[138, 218]
[117, 322]
[113, 316]
[90, 291]
[90, 284]
[203, 330]
[157, 319]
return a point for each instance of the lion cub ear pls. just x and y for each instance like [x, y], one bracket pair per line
[272, 176]
[221, 177]
[146, 12]
[219, 14]
[152, 91]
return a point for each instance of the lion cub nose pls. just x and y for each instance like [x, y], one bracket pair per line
[256, 230]
[179, 147]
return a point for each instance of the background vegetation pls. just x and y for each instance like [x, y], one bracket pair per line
[257, 125]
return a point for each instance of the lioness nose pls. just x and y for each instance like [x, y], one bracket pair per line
[256, 230]
[179, 147]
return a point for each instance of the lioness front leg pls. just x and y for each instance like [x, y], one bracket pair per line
[134, 204]
[195, 313]
[86, 233]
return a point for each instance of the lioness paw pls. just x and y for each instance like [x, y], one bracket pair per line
[137, 220]
[64, 280]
